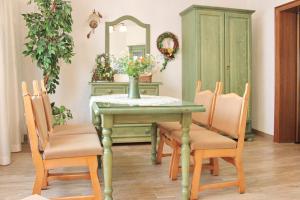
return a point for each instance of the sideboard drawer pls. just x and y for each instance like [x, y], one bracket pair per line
[148, 90]
[98, 91]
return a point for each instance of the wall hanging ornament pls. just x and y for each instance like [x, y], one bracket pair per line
[167, 43]
[94, 20]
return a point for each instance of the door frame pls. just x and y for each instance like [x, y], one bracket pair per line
[287, 81]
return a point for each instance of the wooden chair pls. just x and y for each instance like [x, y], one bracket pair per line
[59, 151]
[200, 121]
[65, 129]
[229, 118]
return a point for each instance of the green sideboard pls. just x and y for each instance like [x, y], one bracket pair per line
[216, 46]
[126, 133]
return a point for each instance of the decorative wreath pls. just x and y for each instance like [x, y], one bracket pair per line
[167, 51]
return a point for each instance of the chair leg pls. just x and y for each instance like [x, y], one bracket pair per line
[39, 180]
[171, 163]
[160, 149]
[93, 168]
[45, 181]
[214, 162]
[240, 174]
[196, 175]
[175, 166]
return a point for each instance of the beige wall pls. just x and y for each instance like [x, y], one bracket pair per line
[163, 16]
[263, 70]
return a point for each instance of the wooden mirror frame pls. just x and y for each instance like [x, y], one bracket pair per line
[123, 18]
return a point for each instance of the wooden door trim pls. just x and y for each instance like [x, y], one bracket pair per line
[287, 6]
[282, 132]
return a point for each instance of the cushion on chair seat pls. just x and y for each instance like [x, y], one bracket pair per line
[207, 139]
[68, 129]
[176, 134]
[66, 146]
[167, 127]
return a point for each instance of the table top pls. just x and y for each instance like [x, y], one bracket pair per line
[176, 106]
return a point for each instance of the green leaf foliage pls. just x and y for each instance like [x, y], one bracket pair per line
[60, 114]
[48, 38]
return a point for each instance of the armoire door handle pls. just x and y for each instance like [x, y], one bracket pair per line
[228, 67]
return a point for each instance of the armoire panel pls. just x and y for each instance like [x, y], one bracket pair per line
[237, 52]
[189, 63]
[211, 47]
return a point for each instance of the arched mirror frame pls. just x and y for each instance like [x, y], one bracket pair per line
[133, 19]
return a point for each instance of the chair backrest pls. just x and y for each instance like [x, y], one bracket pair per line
[39, 116]
[47, 106]
[207, 99]
[33, 134]
[230, 114]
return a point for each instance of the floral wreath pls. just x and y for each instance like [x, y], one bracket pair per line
[168, 52]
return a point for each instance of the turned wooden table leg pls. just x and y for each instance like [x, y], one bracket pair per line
[107, 123]
[153, 142]
[185, 154]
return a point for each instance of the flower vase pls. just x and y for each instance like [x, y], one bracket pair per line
[133, 88]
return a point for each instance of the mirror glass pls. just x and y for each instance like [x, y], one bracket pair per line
[127, 37]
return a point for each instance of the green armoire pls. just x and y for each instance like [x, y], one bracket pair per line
[216, 46]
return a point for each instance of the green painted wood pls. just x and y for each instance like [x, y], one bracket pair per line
[107, 123]
[143, 118]
[238, 57]
[125, 133]
[216, 47]
[237, 52]
[189, 41]
[133, 19]
[201, 7]
[210, 47]
[153, 142]
[185, 154]
[148, 111]
[113, 113]
[137, 50]
[106, 88]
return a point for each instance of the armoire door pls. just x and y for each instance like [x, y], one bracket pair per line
[211, 47]
[237, 52]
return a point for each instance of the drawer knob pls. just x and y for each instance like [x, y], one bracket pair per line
[109, 91]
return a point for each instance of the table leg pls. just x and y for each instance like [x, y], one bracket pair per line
[97, 125]
[153, 142]
[185, 155]
[107, 123]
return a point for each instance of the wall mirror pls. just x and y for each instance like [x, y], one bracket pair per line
[127, 35]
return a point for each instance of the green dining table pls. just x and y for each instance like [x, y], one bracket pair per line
[106, 115]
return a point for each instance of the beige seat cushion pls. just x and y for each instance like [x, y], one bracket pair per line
[167, 127]
[206, 139]
[68, 129]
[66, 146]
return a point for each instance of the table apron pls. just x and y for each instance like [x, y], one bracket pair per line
[145, 118]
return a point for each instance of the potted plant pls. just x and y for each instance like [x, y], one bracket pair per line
[103, 71]
[49, 42]
[134, 66]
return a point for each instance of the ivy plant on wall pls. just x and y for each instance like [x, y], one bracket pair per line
[48, 38]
